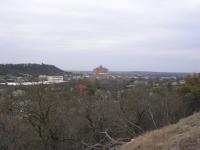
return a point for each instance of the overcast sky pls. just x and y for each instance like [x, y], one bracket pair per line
[142, 35]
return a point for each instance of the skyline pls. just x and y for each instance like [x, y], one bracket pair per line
[128, 35]
[92, 69]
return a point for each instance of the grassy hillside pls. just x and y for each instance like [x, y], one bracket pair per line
[32, 69]
[185, 135]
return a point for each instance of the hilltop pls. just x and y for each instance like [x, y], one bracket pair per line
[31, 69]
[185, 135]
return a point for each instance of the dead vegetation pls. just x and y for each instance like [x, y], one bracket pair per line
[185, 135]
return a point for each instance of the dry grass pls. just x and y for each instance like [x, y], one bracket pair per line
[185, 135]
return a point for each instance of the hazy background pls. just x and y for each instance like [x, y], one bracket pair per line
[142, 35]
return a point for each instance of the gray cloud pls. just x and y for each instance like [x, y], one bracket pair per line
[152, 35]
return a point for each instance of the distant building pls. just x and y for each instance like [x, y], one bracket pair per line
[55, 79]
[67, 77]
[182, 82]
[74, 76]
[77, 76]
[100, 73]
[43, 77]
[51, 79]
[174, 83]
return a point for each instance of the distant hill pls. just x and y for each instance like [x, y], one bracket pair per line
[143, 73]
[185, 135]
[150, 74]
[31, 69]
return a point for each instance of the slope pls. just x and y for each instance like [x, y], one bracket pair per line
[185, 135]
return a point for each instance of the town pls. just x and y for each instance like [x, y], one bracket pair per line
[44, 100]
[99, 73]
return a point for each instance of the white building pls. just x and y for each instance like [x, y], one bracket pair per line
[42, 77]
[51, 79]
[55, 79]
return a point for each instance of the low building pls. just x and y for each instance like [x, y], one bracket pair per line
[182, 82]
[51, 79]
[43, 77]
[55, 79]
[174, 83]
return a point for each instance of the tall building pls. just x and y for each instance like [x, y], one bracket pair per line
[100, 73]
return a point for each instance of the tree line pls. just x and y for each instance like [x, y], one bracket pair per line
[107, 114]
